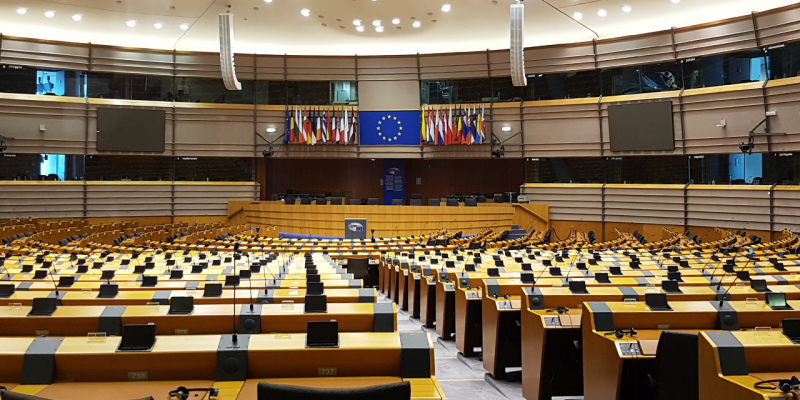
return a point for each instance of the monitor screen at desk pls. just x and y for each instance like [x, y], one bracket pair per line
[777, 301]
[322, 334]
[137, 337]
[657, 301]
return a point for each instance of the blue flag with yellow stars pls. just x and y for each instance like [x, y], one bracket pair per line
[389, 127]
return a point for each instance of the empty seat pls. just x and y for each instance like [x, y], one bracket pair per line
[676, 366]
[337, 201]
[373, 201]
[434, 202]
[391, 391]
[305, 200]
[358, 266]
[322, 201]
[355, 202]
[397, 202]
[289, 200]
[452, 202]
[471, 202]
[416, 202]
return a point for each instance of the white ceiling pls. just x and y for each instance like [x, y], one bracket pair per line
[279, 28]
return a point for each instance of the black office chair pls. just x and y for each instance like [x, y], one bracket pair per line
[9, 395]
[355, 202]
[305, 200]
[416, 202]
[322, 201]
[359, 267]
[498, 198]
[397, 202]
[452, 202]
[289, 200]
[434, 202]
[471, 202]
[676, 366]
[337, 201]
[390, 391]
[373, 201]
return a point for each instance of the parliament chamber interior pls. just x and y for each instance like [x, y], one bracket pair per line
[376, 199]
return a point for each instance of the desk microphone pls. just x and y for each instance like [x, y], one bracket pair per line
[544, 268]
[559, 310]
[50, 270]
[572, 264]
[722, 300]
[234, 336]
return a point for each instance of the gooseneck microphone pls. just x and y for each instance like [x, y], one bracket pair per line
[722, 300]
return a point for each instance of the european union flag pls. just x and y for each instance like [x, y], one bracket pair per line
[389, 127]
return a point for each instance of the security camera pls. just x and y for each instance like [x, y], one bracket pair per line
[499, 153]
[748, 147]
[268, 153]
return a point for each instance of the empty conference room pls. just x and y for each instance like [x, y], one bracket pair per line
[399, 199]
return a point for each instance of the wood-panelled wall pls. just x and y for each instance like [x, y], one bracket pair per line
[127, 200]
[362, 178]
[697, 208]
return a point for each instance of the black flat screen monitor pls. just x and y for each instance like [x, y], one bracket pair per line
[134, 130]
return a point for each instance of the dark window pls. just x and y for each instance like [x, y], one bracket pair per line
[36, 167]
[309, 93]
[212, 90]
[271, 92]
[214, 169]
[784, 60]
[504, 90]
[128, 168]
[570, 85]
[725, 69]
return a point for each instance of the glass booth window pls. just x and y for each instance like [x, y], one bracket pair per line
[725, 69]
[568, 85]
[44, 82]
[214, 169]
[130, 87]
[41, 167]
[128, 168]
[345, 93]
[784, 60]
[212, 90]
[647, 78]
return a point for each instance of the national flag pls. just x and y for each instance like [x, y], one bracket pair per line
[318, 118]
[442, 125]
[460, 126]
[353, 128]
[306, 127]
[286, 126]
[422, 128]
[450, 126]
[325, 137]
[473, 125]
[291, 137]
[431, 127]
[483, 124]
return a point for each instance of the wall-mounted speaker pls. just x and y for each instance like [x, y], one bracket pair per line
[518, 77]
[226, 52]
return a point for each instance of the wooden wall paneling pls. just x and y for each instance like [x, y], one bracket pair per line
[506, 114]
[213, 132]
[568, 202]
[778, 26]
[716, 38]
[383, 68]
[480, 151]
[440, 178]
[94, 104]
[635, 50]
[270, 68]
[787, 208]
[783, 96]
[741, 106]
[453, 66]
[532, 216]
[44, 54]
[559, 58]
[210, 199]
[320, 68]
[131, 61]
[41, 199]
[561, 128]
[198, 65]
[644, 204]
[729, 206]
[357, 178]
[642, 98]
[500, 63]
[404, 152]
[118, 199]
[245, 66]
[64, 120]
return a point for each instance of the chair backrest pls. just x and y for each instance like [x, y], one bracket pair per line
[289, 200]
[676, 364]
[415, 196]
[452, 202]
[471, 202]
[305, 200]
[322, 201]
[372, 201]
[358, 266]
[355, 202]
[434, 202]
[416, 202]
[337, 201]
[391, 391]
[397, 202]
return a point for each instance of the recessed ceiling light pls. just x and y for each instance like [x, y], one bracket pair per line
[158, 25]
[357, 22]
[360, 28]
[675, 1]
[602, 12]
[378, 29]
[306, 12]
[267, 1]
[22, 11]
[184, 27]
[577, 16]
[446, 8]
[131, 23]
[77, 17]
[377, 22]
[417, 24]
[396, 21]
[49, 14]
[626, 8]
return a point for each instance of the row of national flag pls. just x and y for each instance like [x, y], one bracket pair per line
[448, 126]
[320, 125]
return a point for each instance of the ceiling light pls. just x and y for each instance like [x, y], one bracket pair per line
[77, 17]
[271, 129]
[506, 128]
[626, 8]
[357, 22]
[377, 22]
[158, 25]
[577, 16]
[49, 14]
[360, 28]
[184, 27]
[417, 24]
[267, 1]
[446, 8]
[131, 23]
[396, 21]
[602, 12]
[378, 29]
[675, 1]
[22, 11]
[306, 12]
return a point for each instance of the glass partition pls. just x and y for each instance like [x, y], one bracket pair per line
[725, 69]
[44, 82]
[784, 60]
[214, 169]
[41, 167]
[212, 90]
[128, 168]
[570, 85]
[130, 87]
